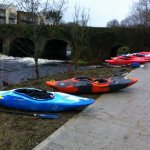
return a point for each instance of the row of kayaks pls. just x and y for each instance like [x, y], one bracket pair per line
[32, 99]
[127, 59]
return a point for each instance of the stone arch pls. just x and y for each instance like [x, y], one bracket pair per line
[1, 45]
[21, 47]
[55, 49]
[115, 49]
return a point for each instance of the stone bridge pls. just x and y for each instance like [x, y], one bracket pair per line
[53, 42]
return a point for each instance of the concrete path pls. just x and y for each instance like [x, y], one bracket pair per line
[117, 121]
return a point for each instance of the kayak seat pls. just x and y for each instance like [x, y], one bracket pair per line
[100, 80]
[43, 94]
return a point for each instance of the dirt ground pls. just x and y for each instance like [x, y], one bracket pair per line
[21, 132]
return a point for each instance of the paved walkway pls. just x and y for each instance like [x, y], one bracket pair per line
[117, 121]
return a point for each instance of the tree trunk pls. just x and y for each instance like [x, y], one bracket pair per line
[36, 68]
[36, 56]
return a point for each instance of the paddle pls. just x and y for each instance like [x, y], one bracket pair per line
[42, 116]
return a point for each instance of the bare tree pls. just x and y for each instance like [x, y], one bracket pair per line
[126, 22]
[56, 11]
[6, 2]
[79, 33]
[139, 19]
[37, 11]
[139, 15]
[113, 23]
[33, 9]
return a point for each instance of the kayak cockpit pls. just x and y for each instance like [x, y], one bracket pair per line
[35, 93]
[100, 80]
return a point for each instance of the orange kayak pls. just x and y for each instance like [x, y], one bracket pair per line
[84, 85]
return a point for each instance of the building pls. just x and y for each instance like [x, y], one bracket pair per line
[2, 16]
[8, 14]
[26, 18]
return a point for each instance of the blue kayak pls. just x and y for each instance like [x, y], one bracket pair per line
[31, 99]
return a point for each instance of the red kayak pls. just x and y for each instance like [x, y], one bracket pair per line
[145, 53]
[127, 60]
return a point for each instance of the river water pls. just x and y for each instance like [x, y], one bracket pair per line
[16, 69]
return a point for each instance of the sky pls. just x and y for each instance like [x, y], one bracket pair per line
[101, 11]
